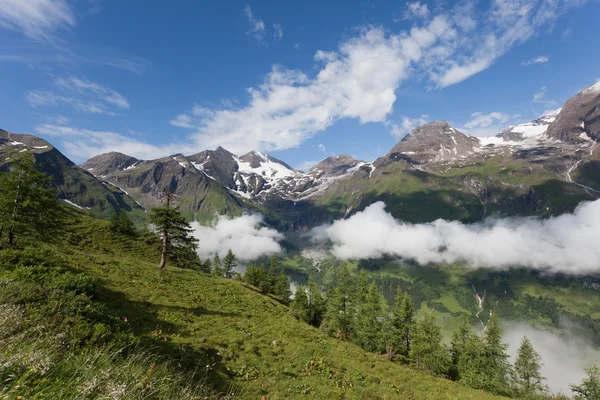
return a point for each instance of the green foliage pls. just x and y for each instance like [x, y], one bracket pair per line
[402, 324]
[316, 304]
[496, 365]
[217, 265]
[175, 234]
[589, 388]
[340, 313]
[369, 323]
[206, 266]
[28, 204]
[527, 376]
[299, 305]
[281, 287]
[121, 223]
[427, 350]
[229, 264]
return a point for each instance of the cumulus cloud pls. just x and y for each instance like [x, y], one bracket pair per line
[408, 124]
[484, 125]
[81, 94]
[417, 10]
[37, 19]
[243, 235]
[567, 243]
[360, 78]
[537, 60]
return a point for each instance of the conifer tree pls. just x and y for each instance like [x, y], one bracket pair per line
[461, 338]
[229, 264]
[121, 223]
[206, 266]
[316, 303]
[368, 322]
[496, 366]
[174, 231]
[28, 203]
[340, 311]
[427, 351]
[402, 323]
[527, 375]
[472, 362]
[299, 306]
[589, 388]
[217, 265]
[281, 288]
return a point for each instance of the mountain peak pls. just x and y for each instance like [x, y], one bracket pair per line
[334, 165]
[107, 163]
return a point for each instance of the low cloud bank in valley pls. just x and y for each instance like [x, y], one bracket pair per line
[564, 357]
[243, 235]
[567, 243]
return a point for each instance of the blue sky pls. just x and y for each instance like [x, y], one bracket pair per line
[299, 80]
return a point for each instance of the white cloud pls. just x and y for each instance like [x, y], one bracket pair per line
[540, 98]
[536, 60]
[484, 125]
[278, 34]
[37, 19]
[566, 34]
[360, 79]
[306, 165]
[257, 26]
[81, 94]
[322, 147]
[81, 144]
[416, 9]
[243, 235]
[567, 243]
[408, 124]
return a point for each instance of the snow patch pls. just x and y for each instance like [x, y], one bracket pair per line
[595, 88]
[73, 204]
[40, 147]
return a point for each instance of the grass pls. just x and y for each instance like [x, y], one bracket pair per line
[140, 332]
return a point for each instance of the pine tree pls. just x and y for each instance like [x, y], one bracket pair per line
[28, 204]
[427, 351]
[472, 362]
[229, 264]
[340, 311]
[299, 306]
[461, 338]
[589, 388]
[527, 376]
[206, 266]
[217, 265]
[316, 303]
[496, 367]
[368, 321]
[121, 223]
[402, 323]
[281, 288]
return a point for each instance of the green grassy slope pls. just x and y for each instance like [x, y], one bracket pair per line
[232, 338]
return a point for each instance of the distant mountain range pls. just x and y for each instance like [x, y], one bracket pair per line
[545, 167]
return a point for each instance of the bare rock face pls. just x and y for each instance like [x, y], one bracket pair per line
[579, 119]
[435, 141]
[334, 166]
[107, 163]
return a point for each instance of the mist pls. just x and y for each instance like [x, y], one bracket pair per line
[243, 235]
[567, 243]
[564, 357]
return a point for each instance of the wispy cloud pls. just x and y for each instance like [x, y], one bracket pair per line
[81, 94]
[566, 34]
[322, 147]
[408, 124]
[257, 26]
[536, 60]
[306, 165]
[36, 19]
[278, 32]
[540, 98]
[490, 124]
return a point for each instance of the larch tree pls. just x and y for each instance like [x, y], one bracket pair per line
[368, 320]
[527, 371]
[316, 303]
[299, 305]
[402, 323]
[340, 312]
[28, 203]
[217, 266]
[173, 230]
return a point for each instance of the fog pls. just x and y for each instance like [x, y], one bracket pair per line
[564, 357]
[567, 243]
[243, 235]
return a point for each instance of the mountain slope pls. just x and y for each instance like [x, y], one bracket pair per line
[74, 184]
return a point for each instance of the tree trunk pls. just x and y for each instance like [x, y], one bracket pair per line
[11, 237]
[163, 254]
